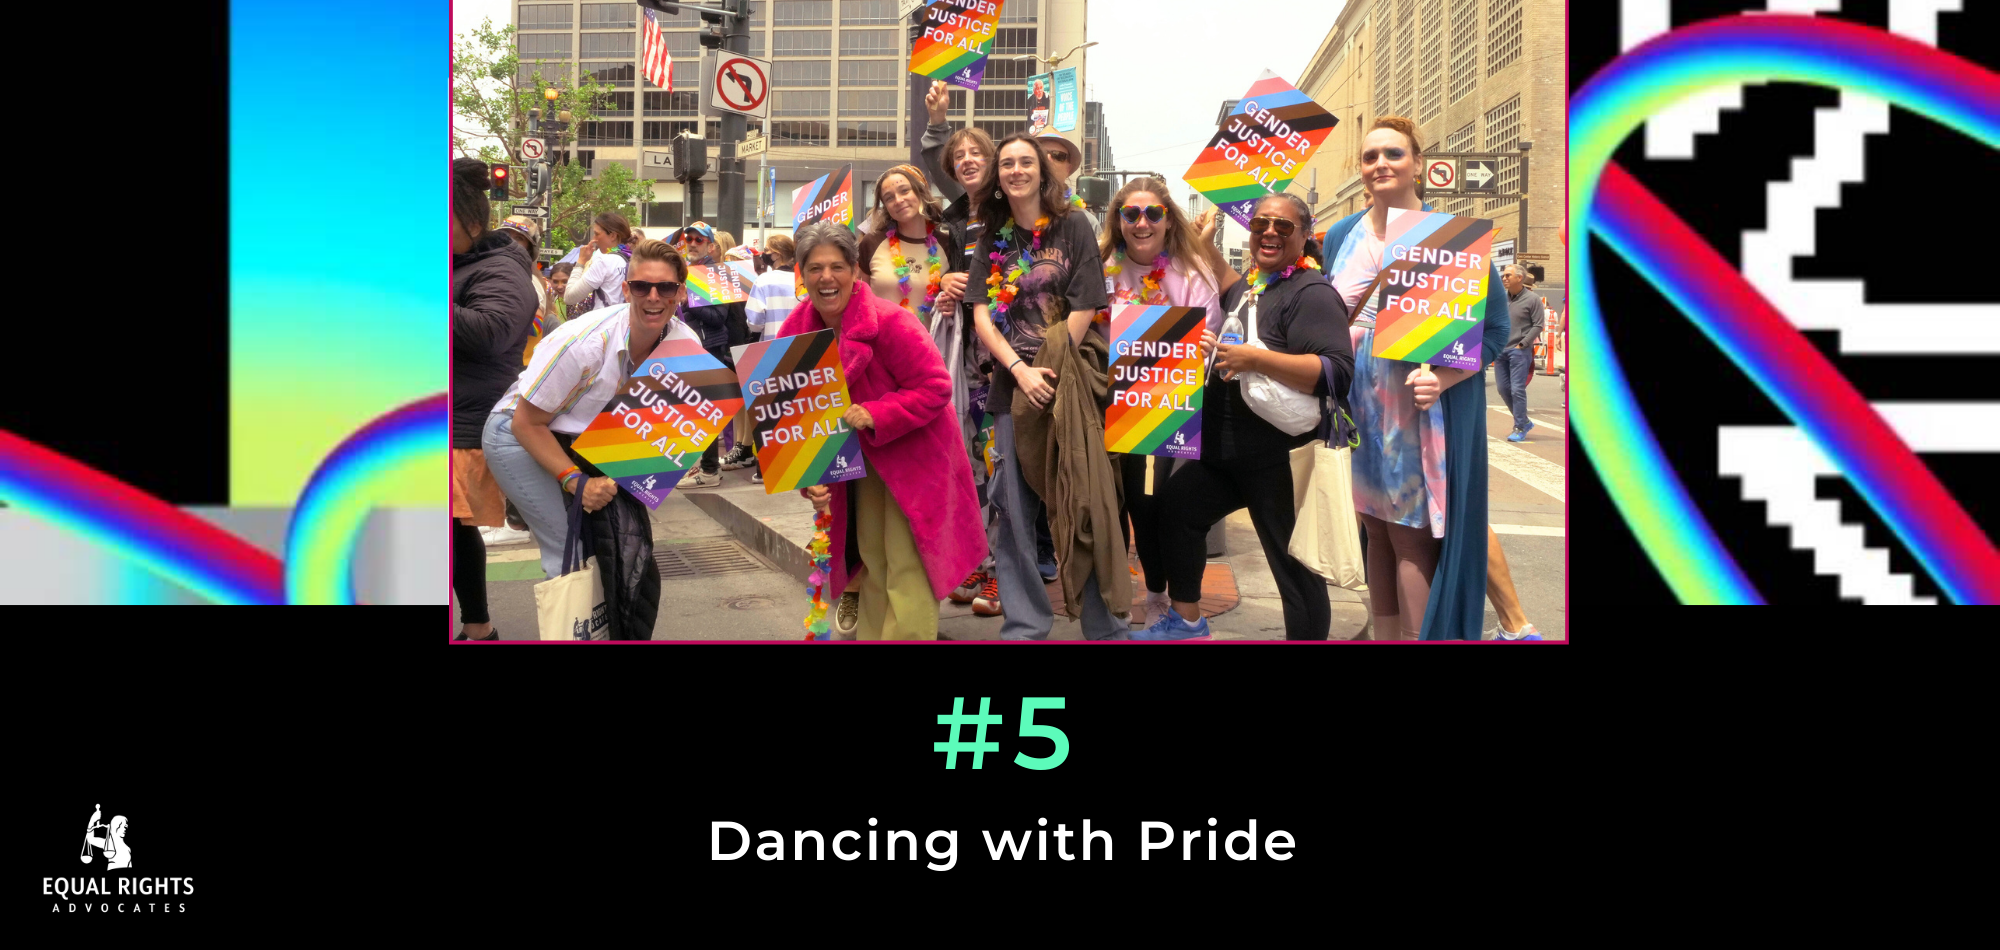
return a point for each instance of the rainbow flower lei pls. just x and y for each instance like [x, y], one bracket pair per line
[934, 269]
[1259, 278]
[816, 627]
[1000, 293]
[1152, 294]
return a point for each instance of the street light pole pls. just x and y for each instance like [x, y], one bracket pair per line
[730, 168]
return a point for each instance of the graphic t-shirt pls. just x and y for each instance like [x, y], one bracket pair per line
[1065, 275]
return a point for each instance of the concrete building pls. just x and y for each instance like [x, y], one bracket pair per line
[839, 89]
[1476, 76]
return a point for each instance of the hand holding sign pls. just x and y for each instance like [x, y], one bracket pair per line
[1426, 384]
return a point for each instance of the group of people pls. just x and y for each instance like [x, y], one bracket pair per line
[974, 336]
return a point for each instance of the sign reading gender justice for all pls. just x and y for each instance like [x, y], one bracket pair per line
[1157, 374]
[656, 427]
[1260, 148]
[797, 394]
[958, 35]
[711, 284]
[826, 198]
[1434, 286]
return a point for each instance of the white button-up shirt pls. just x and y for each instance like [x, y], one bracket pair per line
[577, 368]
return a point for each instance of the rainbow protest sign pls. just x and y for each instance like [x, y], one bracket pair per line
[1260, 148]
[826, 198]
[958, 34]
[1157, 373]
[715, 284]
[798, 394]
[1433, 288]
[656, 427]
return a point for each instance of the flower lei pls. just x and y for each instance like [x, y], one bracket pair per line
[1151, 294]
[1000, 293]
[1259, 278]
[903, 268]
[816, 584]
[1076, 201]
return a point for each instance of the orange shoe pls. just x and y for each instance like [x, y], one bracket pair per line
[987, 604]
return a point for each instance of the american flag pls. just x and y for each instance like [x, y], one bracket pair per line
[659, 63]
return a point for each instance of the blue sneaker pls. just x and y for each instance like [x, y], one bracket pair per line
[1047, 568]
[1530, 428]
[1517, 435]
[1172, 628]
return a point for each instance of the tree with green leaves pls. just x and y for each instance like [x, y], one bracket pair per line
[487, 93]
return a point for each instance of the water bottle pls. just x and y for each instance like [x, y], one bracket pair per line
[1232, 332]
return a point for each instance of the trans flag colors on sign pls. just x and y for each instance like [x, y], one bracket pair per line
[826, 198]
[1260, 148]
[1433, 288]
[798, 394]
[1157, 374]
[958, 35]
[719, 284]
[657, 426]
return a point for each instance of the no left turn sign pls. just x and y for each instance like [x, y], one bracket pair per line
[1441, 173]
[533, 149]
[742, 85]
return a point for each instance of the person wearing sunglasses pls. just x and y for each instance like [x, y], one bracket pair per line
[1152, 256]
[1063, 154]
[913, 519]
[601, 264]
[573, 376]
[1420, 472]
[1038, 283]
[1245, 459]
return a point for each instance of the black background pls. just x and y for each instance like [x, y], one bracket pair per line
[1687, 388]
[119, 343]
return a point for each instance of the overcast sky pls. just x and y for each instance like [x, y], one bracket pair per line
[1161, 67]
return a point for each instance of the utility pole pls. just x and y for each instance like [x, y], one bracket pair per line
[919, 118]
[730, 24]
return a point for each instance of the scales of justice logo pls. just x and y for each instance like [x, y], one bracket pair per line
[117, 854]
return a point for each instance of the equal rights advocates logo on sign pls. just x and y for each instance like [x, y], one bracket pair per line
[121, 889]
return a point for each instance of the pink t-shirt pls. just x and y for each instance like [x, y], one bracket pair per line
[1182, 289]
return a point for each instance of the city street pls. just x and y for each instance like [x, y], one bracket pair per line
[723, 551]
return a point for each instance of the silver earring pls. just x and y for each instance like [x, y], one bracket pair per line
[997, 193]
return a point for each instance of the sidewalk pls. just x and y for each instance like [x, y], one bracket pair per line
[1239, 593]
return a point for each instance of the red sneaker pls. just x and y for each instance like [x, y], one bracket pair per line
[964, 593]
[987, 604]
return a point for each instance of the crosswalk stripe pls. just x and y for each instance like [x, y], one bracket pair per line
[1537, 472]
[1543, 530]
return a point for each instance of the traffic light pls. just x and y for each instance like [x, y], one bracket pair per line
[536, 174]
[690, 157]
[712, 35]
[499, 192]
[1095, 192]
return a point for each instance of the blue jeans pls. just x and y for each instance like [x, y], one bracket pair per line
[530, 487]
[1513, 367]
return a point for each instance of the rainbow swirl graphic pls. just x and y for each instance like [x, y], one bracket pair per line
[1608, 202]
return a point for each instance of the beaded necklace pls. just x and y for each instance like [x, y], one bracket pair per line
[1151, 294]
[1000, 292]
[1260, 278]
[933, 269]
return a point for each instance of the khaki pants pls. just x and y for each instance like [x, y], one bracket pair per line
[895, 591]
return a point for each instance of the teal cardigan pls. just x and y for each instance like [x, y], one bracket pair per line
[1457, 608]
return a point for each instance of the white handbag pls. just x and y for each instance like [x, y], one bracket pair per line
[1326, 536]
[570, 605]
[1291, 411]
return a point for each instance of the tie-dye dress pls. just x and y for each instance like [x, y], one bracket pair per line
[1399, 466]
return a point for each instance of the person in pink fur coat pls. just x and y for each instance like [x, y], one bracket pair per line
[914, 520]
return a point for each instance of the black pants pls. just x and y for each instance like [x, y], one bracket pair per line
[1200, 493]
[468, 572]
[1144, 510]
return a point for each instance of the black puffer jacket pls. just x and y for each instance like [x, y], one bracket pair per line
[622, 540]
[492, 312]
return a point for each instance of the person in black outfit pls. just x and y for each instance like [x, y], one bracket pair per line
[1246, 461]
[492, 312]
